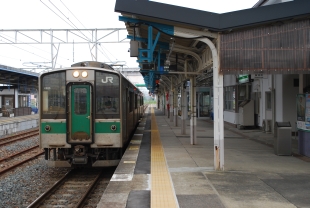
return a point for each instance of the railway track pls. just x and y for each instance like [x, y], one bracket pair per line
[14, 153]
[19, 136]
[17, 159]
[74, 189]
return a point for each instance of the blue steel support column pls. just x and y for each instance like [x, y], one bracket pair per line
[149, 44]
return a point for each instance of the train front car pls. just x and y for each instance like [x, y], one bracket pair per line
[80, 115]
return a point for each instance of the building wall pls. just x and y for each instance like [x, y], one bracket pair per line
[229, 80]
[16, 98]
[7, 92]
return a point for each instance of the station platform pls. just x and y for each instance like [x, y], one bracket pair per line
[160, 168]
[10, 125]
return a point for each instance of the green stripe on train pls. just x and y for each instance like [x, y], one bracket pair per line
[56, 128]
[105, 127]
[60, 128]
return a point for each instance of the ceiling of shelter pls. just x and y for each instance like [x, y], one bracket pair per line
[25, 82]
[139, 15]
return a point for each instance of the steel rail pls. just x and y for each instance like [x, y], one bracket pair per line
[91, 187]
[6, 140]
[18, 153]
[40, 199]
[18, 139]
[21, 162]
[38, 202]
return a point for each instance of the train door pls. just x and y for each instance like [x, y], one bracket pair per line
[80, 128]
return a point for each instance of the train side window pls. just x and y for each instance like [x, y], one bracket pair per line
[107, 95]
[131, 101]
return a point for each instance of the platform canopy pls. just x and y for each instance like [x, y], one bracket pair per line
[25, 81]
[267, 39]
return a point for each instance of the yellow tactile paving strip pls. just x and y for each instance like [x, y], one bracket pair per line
[162, 192]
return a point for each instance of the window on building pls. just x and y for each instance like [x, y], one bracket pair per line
[229, 98]
[7, 100]
[23, 101]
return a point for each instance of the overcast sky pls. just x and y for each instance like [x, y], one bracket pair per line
[35, 14]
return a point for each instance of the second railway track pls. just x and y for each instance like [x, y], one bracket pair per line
[73, 190]
[19, 136]
[12, 161]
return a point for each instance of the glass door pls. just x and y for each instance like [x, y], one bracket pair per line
[204, 104]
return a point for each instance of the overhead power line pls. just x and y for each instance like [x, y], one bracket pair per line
[71, 23]
[73, 15]
[24, 49]
[28, 44]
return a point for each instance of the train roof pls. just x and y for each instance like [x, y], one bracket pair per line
[90, 65]
[80, 65]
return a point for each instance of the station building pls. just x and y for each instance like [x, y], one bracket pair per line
[254, 62]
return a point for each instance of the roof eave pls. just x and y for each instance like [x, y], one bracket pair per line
[213, 21]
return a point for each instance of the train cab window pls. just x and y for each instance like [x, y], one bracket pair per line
[107, 95]
[53, 96]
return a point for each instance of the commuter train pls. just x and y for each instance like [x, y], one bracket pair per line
[88, 112]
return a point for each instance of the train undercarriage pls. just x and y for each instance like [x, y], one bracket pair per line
[83, 156]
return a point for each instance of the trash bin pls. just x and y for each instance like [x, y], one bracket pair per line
[282, 140]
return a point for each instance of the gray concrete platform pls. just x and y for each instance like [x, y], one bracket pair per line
[254, 177]
[130, 183]
[10, 125]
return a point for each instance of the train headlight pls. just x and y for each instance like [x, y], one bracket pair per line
[113, 127]
[76, 74]
[84, 74]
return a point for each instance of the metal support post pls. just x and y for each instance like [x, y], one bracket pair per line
[167, 103]
[184, 110]
[193, 121]
[218, 107]
[96, 45]
[171, 101]
[175, 106]
[157, 97]
[164, 103]
[52, 49]
[171, 105]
